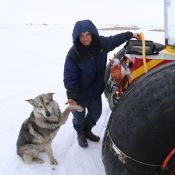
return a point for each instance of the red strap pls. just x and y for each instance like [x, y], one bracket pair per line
[168, 158]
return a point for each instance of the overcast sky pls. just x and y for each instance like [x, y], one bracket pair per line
[143, 12]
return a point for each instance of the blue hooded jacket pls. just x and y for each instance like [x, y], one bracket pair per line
[85, 66]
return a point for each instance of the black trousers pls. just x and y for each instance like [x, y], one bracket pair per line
[90, 115]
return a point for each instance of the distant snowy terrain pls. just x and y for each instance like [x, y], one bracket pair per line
[32, 59]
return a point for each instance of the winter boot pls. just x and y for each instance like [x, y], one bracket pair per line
[90, 135]
[82, 139]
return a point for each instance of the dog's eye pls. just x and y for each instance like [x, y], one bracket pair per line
[47, 103]
[40, 107]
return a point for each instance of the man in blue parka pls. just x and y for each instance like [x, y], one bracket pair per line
[84, 71]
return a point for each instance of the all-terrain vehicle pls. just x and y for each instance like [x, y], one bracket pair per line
[140, 88]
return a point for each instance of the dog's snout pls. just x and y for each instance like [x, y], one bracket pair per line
[47, 113]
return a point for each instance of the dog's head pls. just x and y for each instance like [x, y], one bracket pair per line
[43, 105]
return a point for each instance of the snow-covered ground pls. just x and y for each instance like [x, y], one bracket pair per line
[31, 62]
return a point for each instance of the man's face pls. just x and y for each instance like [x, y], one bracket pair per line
[85, 38]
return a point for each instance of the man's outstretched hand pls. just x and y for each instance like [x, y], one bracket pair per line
[137, 36]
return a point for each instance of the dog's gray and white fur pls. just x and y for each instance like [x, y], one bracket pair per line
[38, 131]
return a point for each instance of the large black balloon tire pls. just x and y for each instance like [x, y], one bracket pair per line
[142, 124]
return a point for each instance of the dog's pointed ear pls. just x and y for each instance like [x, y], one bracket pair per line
[31, 101]
[51, 94]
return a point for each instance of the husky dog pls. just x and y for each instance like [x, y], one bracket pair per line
[38, 131]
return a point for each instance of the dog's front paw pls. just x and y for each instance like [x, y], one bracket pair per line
[80, 108]
[54, 161]
[76, 108]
